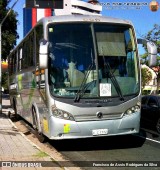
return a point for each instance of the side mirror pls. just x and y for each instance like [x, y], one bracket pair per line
[43, 55]
[152, 51]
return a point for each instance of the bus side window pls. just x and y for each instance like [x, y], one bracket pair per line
[14, 63]
[26, 52]
[20, 60]
[11, 64]
[31, 50]
[39, 36]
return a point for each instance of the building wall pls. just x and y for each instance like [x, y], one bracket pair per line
[27, 20]
[152, 85]
[32, 15]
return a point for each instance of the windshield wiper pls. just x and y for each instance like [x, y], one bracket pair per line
[114, 81]
[83, 86]
[113, 78]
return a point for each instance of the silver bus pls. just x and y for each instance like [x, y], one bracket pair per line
[77, 77]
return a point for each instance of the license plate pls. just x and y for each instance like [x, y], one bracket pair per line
[98, 132]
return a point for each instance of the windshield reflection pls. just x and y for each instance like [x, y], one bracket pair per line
[76, 69]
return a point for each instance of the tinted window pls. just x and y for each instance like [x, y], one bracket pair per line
[88, 56]
[39, 36]
[152, 101]
[144, 99]
[159, 101]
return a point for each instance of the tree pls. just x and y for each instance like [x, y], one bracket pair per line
[154, 36]
[146, 77]
[5, 80]
[9, 28]
[9, 34]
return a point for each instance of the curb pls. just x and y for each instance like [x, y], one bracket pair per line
[10, 112]
[36, 146]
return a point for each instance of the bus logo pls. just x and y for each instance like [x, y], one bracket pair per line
[99, 115]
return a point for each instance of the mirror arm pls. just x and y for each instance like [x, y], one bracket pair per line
[142, 41]
[43, 54]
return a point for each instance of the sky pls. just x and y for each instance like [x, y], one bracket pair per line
[141, 16]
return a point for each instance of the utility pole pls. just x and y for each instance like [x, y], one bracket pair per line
[1, 51]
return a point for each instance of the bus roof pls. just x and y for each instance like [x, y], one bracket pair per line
[78, 18]
[83, 18]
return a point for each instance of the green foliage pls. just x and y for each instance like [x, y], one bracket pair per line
[154, 36]
[146, 77]
[9, 34]
[5, 80]
[9, 28]
[41, 154]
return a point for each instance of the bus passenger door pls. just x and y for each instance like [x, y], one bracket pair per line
[42, 103]
[40, 79]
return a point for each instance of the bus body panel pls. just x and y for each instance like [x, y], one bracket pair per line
[69, 129]
[83, 127]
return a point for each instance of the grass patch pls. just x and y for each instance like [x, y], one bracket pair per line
[41, 154]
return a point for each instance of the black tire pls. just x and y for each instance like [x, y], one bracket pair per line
[158, 126]
[35, 123]
[40, 136]
[15, 110]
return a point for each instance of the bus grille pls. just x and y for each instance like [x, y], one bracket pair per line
[92, 117]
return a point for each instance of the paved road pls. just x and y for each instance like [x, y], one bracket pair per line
[120, 148]
[144, 147]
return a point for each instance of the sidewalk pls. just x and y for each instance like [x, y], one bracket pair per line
[16, 151]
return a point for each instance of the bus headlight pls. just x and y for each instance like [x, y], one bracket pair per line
[61, 114]
[133, 109]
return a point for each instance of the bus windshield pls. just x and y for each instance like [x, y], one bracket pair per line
[93, 60]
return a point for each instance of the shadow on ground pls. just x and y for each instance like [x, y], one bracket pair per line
[99, 143]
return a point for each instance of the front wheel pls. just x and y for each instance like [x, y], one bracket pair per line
[39, 135]
[158, 126]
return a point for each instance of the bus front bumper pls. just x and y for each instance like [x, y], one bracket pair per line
[66, 129]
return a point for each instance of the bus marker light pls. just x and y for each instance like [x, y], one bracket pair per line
[45, 125]
[66, 128]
